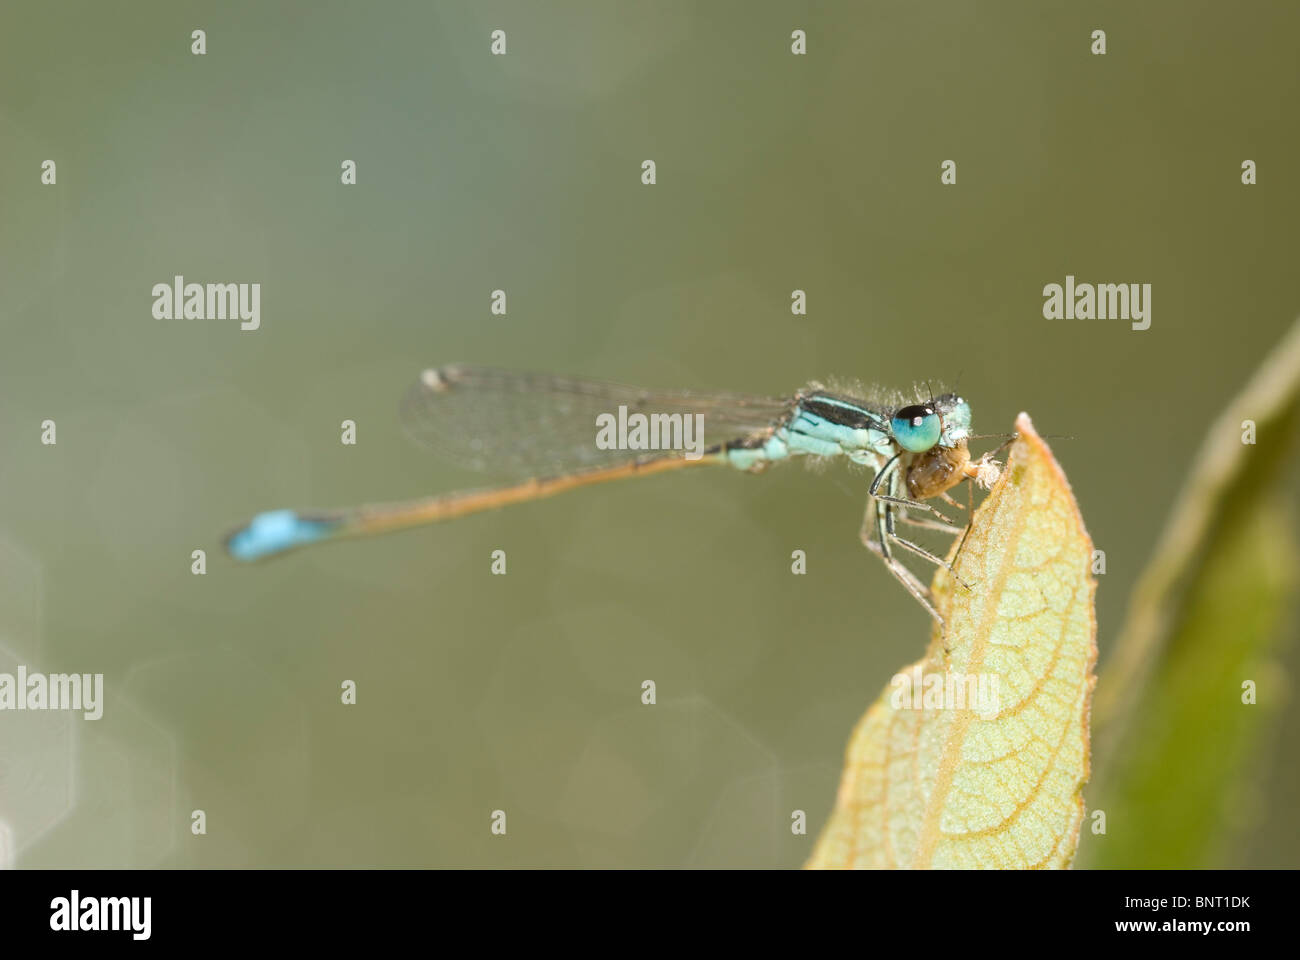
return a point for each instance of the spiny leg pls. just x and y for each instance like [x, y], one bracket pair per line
[903, 575]
[917, 505]
[888, 469]
[951, 529]
[970, 507]
[950, 501]
[885, 513]
[920, 551]
[931, 525]
[880, 547]
[891, 534]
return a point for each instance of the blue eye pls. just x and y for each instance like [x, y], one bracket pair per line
[915, 428]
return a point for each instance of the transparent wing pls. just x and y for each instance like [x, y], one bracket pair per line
[529, 424]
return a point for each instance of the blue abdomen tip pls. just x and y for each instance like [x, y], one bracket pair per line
[274, 532]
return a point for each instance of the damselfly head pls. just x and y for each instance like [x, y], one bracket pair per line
[943, 421]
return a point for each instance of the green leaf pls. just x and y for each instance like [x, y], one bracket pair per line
[1175, 740]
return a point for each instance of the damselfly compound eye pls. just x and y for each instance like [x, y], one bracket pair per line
[916, 428]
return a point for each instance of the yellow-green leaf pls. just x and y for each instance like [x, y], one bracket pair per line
[998, 783]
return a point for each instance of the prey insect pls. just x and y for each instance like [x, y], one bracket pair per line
[548, 432]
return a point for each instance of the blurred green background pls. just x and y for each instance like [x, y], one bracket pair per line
[522, 172]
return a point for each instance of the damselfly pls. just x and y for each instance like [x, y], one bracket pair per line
[562, 433]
